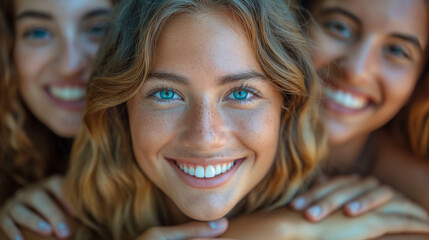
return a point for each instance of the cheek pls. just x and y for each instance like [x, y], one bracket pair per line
[30, 62]
[150, 130]
[398, 86]
[325, 49]
[258, 129]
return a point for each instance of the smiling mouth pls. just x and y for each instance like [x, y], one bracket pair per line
[67, 93]
[207, 171]
[345, 99]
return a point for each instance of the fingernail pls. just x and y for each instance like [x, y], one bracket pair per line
[63, 229]
[17, 237]
[216, 224]
[314, 211]
[299, 203]
[354, 206]
[44, 226]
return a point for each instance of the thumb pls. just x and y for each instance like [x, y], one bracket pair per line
[188, 230]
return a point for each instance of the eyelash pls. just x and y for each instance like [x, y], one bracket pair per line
[242, 87]
[29, 34]
[159, 89]
[246, 88]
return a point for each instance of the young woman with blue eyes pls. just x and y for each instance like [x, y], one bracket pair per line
[371, 55]
[49, 58]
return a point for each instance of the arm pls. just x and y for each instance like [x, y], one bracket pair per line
[398, 167]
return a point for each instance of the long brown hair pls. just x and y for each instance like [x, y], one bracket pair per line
[29, 150]
[412, 122]
[20, 160]
[105, 184]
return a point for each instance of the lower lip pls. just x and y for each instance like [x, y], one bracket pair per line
[208, 183]
[76, 105]
[332, 105]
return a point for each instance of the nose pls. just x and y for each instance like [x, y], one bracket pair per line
[205, 128]
[72, 57]
[358, 65]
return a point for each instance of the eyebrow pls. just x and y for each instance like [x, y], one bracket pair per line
[342, 11]
[96, 13]
[221, 81]
[47, 16]
[410, 39]
[33, 14]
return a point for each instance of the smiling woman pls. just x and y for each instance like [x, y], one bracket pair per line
[196, 110]
[49, 56]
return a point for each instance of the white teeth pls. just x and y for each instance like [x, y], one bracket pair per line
[345, 99]
[209, 172]
[224, 168]
[218, 169]
[191, 171]
[68, 93]
[199, 172]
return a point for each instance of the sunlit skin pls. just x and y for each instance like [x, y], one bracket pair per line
[206, 101]
[373, 51]
[55, 44]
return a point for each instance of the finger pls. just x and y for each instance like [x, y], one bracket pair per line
[47, 207]
[10, 229]
[212, 239]
[405, 207]
[319, 191]
[338, 198]
[188, 230]
[28, 219]
[369, 201]
[55, 186]
[404, 224]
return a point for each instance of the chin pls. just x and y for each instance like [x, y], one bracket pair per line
[208, 210]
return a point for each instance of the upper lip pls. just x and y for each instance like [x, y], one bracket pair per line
[204, 161]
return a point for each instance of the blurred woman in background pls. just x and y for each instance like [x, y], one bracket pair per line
[48, 62]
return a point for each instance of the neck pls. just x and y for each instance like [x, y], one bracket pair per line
[343, 156]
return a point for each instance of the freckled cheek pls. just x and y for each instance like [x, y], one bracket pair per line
[259, 128]
[152, 130]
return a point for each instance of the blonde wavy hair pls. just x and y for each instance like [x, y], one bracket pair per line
[105, 185]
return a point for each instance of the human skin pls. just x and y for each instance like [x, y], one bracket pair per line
[55, 44]
[372, 52]
[221, 110]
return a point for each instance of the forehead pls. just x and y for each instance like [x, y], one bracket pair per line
[208, 43]
[409, 17]
[60, 9]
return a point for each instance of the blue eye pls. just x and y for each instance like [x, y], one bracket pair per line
[97, 30]
[397, 51]
[338, 29]
[38, 34]
[166, 95]
[240, 94]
